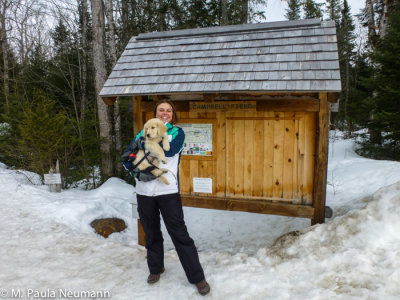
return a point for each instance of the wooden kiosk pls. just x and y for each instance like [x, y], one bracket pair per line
[254, 101]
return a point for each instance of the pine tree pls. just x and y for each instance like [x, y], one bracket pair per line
[198, 14]
[294, 9]
[333, 9]
[40, 136]
[386, 116]
[346, 45]
[312, 9]
[361, 104]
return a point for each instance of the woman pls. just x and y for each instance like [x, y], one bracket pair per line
[155, 197]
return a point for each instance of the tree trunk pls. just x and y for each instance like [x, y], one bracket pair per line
[371, 22]
[4, 49]
[245, 11]
[100, 77]
[113, 58]
[347, 94]
[124, 37]
[346, 56]
[388, 6]
[224, 12]
[85, 59]
[111, 32]
[83, 81]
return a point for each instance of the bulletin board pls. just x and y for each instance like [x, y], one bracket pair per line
[198, 139]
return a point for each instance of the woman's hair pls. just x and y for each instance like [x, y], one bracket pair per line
[174, 115]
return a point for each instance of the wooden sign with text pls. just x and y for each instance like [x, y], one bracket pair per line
[223, 106]
[52, 178]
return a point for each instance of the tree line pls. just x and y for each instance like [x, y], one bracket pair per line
[56, 55]
[55, 58]
[369, 69]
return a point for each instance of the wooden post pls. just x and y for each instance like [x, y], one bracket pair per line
[56, 188]
[141, 234]
[321, 163]
[137, 114]
[53, 179]
[137, 126]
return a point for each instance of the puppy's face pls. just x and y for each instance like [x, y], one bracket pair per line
[154, 128]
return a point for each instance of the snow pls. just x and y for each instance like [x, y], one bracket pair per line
[48, 246]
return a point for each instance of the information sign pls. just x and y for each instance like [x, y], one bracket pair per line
[53, 178]
[202, 185]
[198, 139]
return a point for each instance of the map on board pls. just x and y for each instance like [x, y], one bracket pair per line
[198, 139]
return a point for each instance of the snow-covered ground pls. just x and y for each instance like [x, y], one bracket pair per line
[48, 248]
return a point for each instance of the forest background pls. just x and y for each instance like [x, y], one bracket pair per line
[56, 55]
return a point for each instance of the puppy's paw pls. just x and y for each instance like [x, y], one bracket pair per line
[164, 161]
[165, 142]
[164, 170]
[164, 180]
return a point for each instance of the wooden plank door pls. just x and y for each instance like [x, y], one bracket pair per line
[269, 155]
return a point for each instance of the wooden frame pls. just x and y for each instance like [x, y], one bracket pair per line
[269, 104]
[214, 133]
[321, 160]
[298, 124]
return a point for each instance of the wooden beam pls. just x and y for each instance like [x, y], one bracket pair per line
[288, 105]
[147, 106]
[187, 96]
[137, 114]
[179, 105]
[109, 100]
[333, 97]
[303, 105]
[137, 126]
[141, 234]
[160, 97]
[269, 96]
[321, 163]
[248, 205]
[209, 97]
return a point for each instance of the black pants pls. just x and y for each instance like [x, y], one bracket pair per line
[170, 206]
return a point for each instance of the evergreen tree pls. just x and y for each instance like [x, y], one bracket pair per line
[40, 136]
[64, 71]
[61, 78]
[312, 9]
[32, 73]
[294, 9]
[333, 8]
[360, 107]
[386, 115]
[346, 45]
[198, 14]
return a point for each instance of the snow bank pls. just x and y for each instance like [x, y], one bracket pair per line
[48, 244]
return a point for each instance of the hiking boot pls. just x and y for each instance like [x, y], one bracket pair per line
[203, 287]
[153, 278]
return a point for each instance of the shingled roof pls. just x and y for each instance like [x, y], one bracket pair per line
[296, 56]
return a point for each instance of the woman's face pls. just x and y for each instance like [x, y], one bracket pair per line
[164, 112]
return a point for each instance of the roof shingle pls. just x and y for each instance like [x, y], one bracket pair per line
[278, 56]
